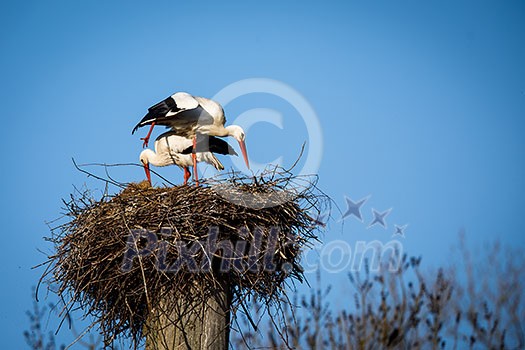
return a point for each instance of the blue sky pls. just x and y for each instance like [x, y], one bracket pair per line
[421, 106]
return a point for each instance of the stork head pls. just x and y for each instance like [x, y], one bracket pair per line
[144, 159]
[237, 133]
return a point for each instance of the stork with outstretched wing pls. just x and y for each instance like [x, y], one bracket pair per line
[188, 116]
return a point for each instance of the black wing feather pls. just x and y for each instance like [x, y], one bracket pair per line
[163, 107]
[213, 144]
[157, 113]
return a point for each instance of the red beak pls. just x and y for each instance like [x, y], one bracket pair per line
[148, 175]
[244, 153]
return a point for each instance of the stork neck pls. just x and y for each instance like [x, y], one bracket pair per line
[158, 160]
[229, 131]
[215, 130]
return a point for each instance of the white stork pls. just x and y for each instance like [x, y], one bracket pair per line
[171, 148]
[188, 116]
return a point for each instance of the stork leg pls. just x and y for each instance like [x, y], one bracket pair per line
[146, 139]
[194, 157]
[187, 175]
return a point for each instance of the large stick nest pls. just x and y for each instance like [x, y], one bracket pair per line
[120, 257]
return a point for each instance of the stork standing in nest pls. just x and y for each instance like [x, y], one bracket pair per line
[172, 149]
[189, 116]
